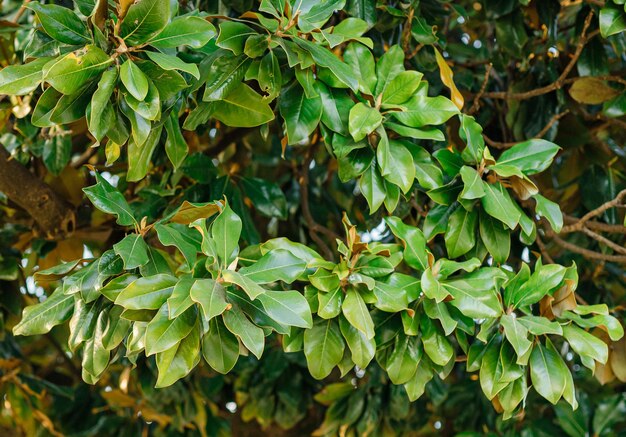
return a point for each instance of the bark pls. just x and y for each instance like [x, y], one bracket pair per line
[53, 215]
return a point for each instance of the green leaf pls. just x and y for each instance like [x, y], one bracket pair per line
[266, 196]
[546, 373]
[171, 62]
[472, 133]
[61, 23]
[109, 200]
[460, 236]
[133, 250]
[329, 303]
[532, 156]
[233, 35]
[551, 211]
[414, 242]
[139, 155]
[544, 280]
[116, 329]
[148, 293]
[403, 361]
[250, 335]
[175, 145]
[144, 19]
[498, 204]
[472, 184]
[73, 71]
[495, 237]
[224, 75]
[275, 265]
[362, 349]
[517, 334]
[612, 20]
[439, 311]
[422, 110]
[45, 106]
[211, 296]
[398, 167]
[243, 107]
[361, 61]
[42, 317]
[540, 325]
[289, 308]
[363, 121]
[356, 312]
[388, 67]
[19, 80]
[57, 152]
[148, 108]
[401, 88]
[252, 289]
[392, 292]
[220, 348]
[301, 114]
[325, 58]
[436, 346]
[191, 31]
[475, 295]
[323, 347]
[181, 237]
[163, 333]
[95, 356]
[586, 344]
[176, 362]
[180, 299]
[372, 186]
[270, 76]
[134, 80]
[101, 102]
[225, 231]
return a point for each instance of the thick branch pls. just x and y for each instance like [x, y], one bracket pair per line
[53, 215]
[589, 254]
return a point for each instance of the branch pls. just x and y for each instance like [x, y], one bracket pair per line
[583, 39]
[579, 225]
[540, 134]
[594, 226]
[52, 214]
[313, 226]
[483, 87]
[590, 254]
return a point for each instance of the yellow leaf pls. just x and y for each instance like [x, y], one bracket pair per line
[447, 77]
[591, 91]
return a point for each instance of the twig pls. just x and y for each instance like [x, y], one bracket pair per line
[483, 87]
[557, 84]
[544, 250]
[540, 134]
[314, 227]
[578, 226]
[616, 247]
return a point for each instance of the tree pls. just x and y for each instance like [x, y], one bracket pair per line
[355, 217]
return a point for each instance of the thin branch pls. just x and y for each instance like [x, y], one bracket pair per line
[589, 254]
[594, 226]
[578, 226]
[616, 247]
[544, 250]
[540, 134]
[483, 87]
[557, 84]
[314, 227]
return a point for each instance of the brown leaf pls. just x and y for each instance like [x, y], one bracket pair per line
[591, 91]
[188, 212]
[617, 358]
[447, 77]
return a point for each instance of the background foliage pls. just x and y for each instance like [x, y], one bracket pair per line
[342, 217]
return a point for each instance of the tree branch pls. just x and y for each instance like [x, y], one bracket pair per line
[53, 215]
[540, 134]
[590, 254]
[557, 84]
[578, 226]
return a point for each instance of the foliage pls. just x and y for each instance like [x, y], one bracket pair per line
[273, 209]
